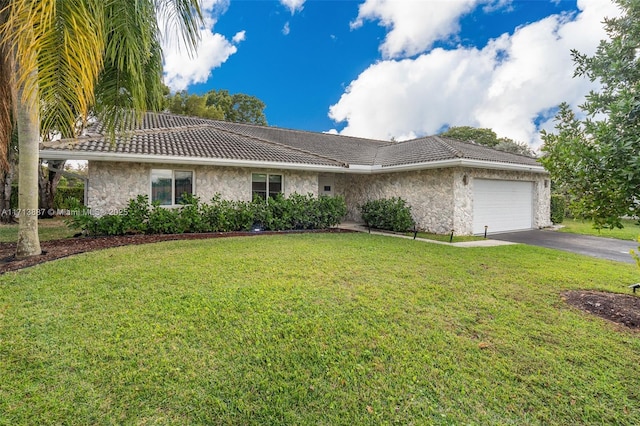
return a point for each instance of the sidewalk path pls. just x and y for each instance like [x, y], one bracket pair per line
[353, 226]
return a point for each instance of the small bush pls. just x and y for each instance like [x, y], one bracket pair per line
[392, 214]
[558, 207]
[163, 220]
[110, 225]
[136, 215]
[329, 211]
[190, 217]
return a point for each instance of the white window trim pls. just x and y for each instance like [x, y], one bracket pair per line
[173, 185]
[268, 174]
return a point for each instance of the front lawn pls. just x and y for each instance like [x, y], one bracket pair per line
[330, 329]
[631, 229]
[48, 229]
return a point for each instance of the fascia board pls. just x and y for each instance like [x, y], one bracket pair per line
[462, 162]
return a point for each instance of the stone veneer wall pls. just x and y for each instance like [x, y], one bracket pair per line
[439, 198]
[429, 192]
[112, 185]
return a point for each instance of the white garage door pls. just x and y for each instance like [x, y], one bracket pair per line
[502, 205]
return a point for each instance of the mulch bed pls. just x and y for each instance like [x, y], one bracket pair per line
[622, 309]
[57, 249]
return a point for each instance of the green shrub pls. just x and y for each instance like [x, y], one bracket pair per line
[330, 211]
[136, 215]
[261, 213]
[558, 207]
[190, 217]
[163, 220]
[64, 195]
[392, 214]
[80, 218]
[111, 224]
[276, 214]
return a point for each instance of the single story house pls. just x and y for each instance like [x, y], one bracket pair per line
[450, 185]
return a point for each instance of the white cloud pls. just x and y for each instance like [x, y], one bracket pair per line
[239, 37]
[506, 85]
[293, 5]
[413, 25]
[183, 67]
[286, 29]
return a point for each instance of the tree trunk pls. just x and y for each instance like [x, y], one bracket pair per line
[28, 163]
[48, 184]
[6, 182]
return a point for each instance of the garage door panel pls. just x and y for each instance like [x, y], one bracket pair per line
[502, 205]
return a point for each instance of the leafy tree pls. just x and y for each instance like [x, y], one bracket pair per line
[596, 160]
[218, 105]
[193, 105]
[488, 137]
[514, 147]
[63, 60]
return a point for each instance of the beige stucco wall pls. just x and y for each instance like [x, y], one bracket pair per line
[441, 199]
[112, 185]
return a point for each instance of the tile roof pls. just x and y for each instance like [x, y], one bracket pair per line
[172, 135]
[436, 148]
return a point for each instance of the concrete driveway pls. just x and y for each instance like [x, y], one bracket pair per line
[603, 248]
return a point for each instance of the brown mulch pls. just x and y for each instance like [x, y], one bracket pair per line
[57, 249]
[623, 309]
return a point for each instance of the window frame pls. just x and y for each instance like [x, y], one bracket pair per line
[173, 184]
[267, 191]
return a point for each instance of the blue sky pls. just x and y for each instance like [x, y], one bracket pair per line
[396, 68]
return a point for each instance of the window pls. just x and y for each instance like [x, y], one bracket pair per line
[263, 184]
[168, 186]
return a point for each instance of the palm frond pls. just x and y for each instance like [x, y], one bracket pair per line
[59, 48]
[132, 76]
[182, 16]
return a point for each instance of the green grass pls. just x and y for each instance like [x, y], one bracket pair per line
[631, 229]
[48, 229]
[329, 329]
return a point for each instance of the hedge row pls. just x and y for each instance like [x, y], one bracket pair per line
[65, 197]
[140, 217]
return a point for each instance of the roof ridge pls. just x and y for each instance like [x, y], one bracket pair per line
[493, 148]
[382, 142]
[314, 154]
[448, 146]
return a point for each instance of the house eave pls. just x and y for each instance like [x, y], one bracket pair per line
[46, 154]
[441, 164]
[50, 154]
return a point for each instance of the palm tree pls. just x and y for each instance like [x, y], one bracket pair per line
[62, 60]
